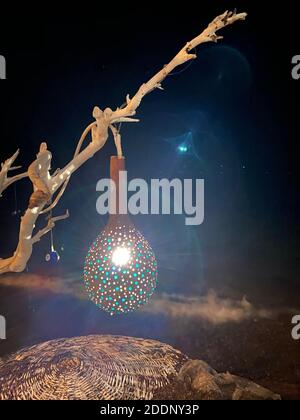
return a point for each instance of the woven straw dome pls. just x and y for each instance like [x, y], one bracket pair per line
[92, 368]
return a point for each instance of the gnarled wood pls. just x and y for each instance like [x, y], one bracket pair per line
[6, 167]
[46, 186]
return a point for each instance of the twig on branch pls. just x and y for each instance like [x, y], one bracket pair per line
[51, 225]
[6, 167]
[118, 140]
[58, 171]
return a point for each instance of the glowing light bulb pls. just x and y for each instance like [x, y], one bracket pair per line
[121, 256]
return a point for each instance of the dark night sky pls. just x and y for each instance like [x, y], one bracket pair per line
[238, 101]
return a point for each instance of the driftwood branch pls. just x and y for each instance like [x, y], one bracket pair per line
[118, 140]
[6, 167]
[46, 186]
[51, 225]
[184, 55]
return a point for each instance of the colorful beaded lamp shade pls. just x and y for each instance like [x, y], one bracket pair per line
[120, 271]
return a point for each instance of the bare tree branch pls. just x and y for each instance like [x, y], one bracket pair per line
[6, 167]
[45, 186]
[51, 225]
[184, 55]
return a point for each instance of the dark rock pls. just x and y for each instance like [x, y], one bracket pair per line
[198, 381]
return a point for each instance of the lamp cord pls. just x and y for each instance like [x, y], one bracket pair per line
[16, 199]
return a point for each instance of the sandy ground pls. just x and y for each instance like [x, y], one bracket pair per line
[249, 342]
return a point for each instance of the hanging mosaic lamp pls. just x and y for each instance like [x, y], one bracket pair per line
[120, 271]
